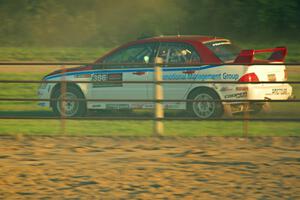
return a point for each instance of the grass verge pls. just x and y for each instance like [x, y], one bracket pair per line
[144, 128]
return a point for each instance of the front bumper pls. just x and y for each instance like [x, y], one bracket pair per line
[43, 93]
[44, 104]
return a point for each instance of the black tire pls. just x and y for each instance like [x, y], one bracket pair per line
[205, 110]
[72, 108]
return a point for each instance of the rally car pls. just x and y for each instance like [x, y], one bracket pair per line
[185, 58]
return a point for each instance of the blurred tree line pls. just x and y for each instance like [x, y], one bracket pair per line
[107, 23]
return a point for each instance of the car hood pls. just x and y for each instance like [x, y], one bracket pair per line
[73, 69]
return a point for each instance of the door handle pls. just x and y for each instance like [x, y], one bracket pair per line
[189, 72]
[139, 73]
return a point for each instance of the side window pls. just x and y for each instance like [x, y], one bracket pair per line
[141, 53]
[178, 53]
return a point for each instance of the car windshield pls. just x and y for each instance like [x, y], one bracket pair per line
[133, 54]
[224, 50]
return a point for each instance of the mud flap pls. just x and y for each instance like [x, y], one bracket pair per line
[227, 110]
[267, 107]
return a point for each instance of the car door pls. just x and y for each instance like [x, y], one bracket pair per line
[134, 54]
[176, 53]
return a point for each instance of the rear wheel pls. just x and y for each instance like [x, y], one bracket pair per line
[205, 110]
[71, 107]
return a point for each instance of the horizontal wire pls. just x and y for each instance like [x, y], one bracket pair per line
[150, 100]
[140, 64]
[152, 82]
[152, 118]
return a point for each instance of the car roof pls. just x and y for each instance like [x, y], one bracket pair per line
[182, 38]
[170, 38]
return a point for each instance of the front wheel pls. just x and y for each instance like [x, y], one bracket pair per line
[71, 107]
[205, 110]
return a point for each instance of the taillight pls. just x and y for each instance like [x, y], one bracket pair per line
[285, 75]
[251, 77]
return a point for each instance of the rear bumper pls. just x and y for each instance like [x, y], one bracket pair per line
[256, 92]
[269, 91]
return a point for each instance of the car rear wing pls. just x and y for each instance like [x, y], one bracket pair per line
[247, 56]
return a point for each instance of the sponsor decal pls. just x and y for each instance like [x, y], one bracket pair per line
[236, 95]
[123, 106]
[148, 106]
[242, 88]
[101, 78]
[137, 106]
[82, 76]
[117, 106]
[203, 77]
[224, 89]
[97, 106]
[192, 77]
[281, 91]
[166, 106]
[227, 76]
[220, 43]
[111, 106]
[171, 106]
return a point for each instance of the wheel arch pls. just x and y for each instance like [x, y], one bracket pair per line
[202, 88]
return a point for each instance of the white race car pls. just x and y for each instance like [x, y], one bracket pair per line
[208, 58]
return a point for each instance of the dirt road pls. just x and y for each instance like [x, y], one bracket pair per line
[145, 168]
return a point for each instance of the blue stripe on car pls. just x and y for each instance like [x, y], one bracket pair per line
[131, 70]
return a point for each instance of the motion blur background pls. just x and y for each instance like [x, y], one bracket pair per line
[82, 31]
[108, 23]
[112, 167]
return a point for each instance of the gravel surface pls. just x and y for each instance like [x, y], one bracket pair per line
[149, 168]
